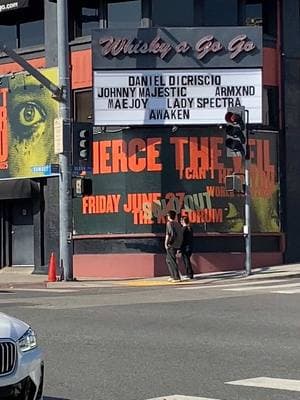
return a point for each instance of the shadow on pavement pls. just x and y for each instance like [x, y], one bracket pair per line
[220, 276]
[54, 398]
[265, 272]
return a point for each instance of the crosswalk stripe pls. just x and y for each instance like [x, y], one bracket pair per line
[269, 383]
[41, 290]
[292, 291]
[239, 289]
[180, 397]
[233, 284]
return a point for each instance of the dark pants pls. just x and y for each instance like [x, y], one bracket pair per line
[172, 263]
[186, 256]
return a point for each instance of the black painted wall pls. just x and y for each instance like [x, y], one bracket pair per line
[203, 244]
[49, 186]
[51, 226]
[291, 129]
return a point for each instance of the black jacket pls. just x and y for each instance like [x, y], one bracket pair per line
[187, 242]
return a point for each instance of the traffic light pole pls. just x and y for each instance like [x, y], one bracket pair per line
[247, 227]
[62, 95]
[237, 140]
[65, 179]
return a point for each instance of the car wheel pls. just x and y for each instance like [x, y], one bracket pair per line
[39, 395]
[29, 390]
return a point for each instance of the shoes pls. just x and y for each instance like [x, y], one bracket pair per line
[174, 280]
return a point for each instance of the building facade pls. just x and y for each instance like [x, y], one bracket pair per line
[163, 77]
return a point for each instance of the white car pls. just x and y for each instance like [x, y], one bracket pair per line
[21, 361]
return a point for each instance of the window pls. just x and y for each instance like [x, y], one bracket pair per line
[8, 34]
[270, 107]
[261, 13]
[269, 18]
[86, 16]
[253, 12]
[23, 28]
[220, 12]
[31, 33]
[83, 103]
[124, 14]
[172, 13]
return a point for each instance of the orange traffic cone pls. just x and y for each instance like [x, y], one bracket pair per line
[52, 268]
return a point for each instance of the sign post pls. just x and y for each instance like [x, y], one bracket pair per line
[58, 136]
[247, 227]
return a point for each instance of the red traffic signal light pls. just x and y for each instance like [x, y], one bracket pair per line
[229, 117]
[234, 119]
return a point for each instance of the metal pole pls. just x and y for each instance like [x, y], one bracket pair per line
[247, 219]
[55, 90]
[65, 192]
[247, 229]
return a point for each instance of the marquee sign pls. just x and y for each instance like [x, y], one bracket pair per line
[166, 97]
[205, 47]
[208, 44]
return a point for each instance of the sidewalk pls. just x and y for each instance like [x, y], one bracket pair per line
[18, 277]
[11, 277]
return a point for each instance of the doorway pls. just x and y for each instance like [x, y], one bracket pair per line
[22, 233]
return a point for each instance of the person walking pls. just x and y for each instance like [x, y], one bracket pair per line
[187, 246]
[173, 241]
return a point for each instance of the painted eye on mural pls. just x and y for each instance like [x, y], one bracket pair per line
[31, 113]
[26, 119]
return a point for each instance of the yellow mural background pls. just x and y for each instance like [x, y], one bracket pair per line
[31, 114]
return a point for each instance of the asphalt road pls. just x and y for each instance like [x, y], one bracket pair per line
[132, 343]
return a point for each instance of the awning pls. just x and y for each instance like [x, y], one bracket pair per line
[10, 5]
[18, 189]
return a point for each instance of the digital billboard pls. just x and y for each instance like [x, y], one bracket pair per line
[139, 175]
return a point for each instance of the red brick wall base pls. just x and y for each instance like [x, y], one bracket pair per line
[120, 266]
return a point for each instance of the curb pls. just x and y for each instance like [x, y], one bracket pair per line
[200, 279]
[162, 281]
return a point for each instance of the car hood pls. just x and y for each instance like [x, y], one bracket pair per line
[11, 328]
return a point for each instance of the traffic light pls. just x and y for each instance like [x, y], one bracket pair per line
[82, 146]
[236, 134]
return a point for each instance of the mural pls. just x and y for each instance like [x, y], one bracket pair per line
[27, 113]
[140, 174]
